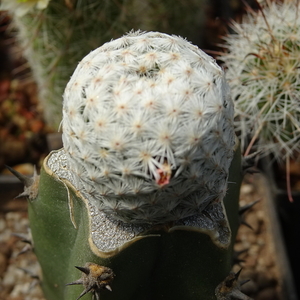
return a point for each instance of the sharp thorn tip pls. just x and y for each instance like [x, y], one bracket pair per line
[83, 269]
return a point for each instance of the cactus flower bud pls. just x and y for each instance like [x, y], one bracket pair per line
[148, 128]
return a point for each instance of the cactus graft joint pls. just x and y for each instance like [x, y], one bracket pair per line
[94, 279]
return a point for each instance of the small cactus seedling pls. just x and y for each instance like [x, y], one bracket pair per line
[147, 184]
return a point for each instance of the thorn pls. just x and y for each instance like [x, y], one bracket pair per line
[78, 281]
[246, 207]
[243, 210]
[36, 279]
[247, 224]
[26, 180]
[84, 270]
[108, 288]
[25, 249]
[84, 292]
[244, 281]
[94, 279]
[249, 162]
[236, 255]
[237, 274]
[24, 194]
[30, 183]
[251, 170]
[238, 261]
[230, 288]
[30, 273]
[25, 238]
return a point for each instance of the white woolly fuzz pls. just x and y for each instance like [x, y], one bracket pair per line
[148, 127]
[263, 72]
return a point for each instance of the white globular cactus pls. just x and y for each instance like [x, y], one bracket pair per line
[148, 128]
[263, 71]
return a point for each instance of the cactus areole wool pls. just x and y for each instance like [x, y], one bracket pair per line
[148, 128]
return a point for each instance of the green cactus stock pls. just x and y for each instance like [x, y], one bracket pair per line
[163, 263]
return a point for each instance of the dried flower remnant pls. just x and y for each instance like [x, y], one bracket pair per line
[130, 128]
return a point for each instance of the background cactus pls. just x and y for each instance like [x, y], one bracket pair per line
[73, 222]
[56, 34]
[263, 73]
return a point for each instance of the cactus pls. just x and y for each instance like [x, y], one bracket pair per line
[143, 198]
[56, 34]
[263, 73]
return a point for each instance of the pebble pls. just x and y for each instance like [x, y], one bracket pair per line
[15, 284]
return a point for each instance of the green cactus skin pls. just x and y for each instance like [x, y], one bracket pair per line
[176, 263]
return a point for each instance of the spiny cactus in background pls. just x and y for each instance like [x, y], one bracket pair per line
[145, 191]
[56, 34]
[262, 64]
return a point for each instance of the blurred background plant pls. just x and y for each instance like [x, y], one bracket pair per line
[56, 34]
[262, 67]
[23, 129]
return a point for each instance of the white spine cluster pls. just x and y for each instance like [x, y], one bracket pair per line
[148, 128]
[264, 76]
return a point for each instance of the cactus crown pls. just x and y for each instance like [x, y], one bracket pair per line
[263, 73]
[148, 128]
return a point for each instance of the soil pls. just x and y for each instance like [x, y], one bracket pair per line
[18, 272]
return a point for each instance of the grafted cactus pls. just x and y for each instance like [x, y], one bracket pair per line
[143, 198]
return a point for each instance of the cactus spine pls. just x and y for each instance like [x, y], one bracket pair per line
[147, 184]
